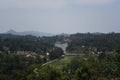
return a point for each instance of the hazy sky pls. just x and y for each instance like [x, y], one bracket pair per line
[60, 16]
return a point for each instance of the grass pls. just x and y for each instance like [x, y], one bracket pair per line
[62, 62]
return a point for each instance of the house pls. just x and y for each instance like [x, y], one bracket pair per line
[28, 55]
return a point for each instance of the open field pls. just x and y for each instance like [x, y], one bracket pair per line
[64, 61]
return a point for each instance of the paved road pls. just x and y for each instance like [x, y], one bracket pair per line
[49, 62]
[66, 54]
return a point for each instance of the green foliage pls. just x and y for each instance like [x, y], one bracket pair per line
[56, 53]
[102, 42]
[14, 67]
[111, 64]
[26, 43]
[90, 67]
[48, 73]
[79, 68]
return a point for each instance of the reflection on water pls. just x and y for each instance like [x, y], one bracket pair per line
[63, 46]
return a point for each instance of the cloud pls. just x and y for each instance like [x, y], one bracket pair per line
[50, 3]
[94, 2]
[32, 3]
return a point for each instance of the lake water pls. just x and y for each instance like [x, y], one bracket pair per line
[63, 46]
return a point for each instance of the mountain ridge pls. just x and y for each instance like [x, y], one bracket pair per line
[33, 33]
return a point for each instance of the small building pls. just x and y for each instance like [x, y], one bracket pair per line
[29, 55]
[47, 54]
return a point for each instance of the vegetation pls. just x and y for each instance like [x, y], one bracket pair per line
[83, 43]
[36, 58]
[16, 67]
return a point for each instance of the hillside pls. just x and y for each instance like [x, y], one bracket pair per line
[33, 33]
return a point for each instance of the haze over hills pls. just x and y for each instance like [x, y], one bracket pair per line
[33, 33]
[41, 34]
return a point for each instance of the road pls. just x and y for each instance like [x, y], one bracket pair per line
[66, 54]
[49, 62]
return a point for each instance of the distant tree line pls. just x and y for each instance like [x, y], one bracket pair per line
[87, 41]
[26, 43]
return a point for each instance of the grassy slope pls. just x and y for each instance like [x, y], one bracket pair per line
[62, 62]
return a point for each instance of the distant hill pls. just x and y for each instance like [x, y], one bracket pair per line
[4, 36]
[33, 33]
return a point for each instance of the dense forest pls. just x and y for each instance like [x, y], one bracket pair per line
[78, 43]
[28, 57]
[85, 42]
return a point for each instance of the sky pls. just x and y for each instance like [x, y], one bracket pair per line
[60, 16]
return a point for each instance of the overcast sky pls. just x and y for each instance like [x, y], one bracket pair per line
[60, 16]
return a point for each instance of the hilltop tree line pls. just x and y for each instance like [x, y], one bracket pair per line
[85, 42]
[26, 43]
[79, 42]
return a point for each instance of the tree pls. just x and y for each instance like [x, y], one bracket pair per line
[49, 73]
[89, 69]
[111, 63]
[56, 53]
